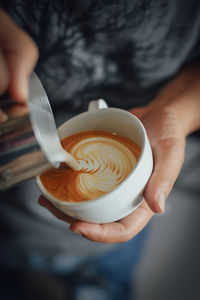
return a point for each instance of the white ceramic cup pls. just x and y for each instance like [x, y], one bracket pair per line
[126, 197]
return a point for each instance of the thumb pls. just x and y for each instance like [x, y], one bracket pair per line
[168, 159]
[20, 53]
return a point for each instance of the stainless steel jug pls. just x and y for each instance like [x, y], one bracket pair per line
[24, 141]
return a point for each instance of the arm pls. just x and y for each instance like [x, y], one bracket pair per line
[168, 119]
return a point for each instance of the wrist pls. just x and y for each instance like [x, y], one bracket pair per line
[188, 111]
[181, 96]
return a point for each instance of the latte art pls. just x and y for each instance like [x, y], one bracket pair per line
[105, 160]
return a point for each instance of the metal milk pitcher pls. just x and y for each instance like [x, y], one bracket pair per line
[26, 147]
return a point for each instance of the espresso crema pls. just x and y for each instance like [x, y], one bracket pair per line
[105, 158]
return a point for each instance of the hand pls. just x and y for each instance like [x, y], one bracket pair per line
[167, 140]
[168, 119]
[18, 55]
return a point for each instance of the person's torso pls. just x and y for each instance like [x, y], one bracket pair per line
[121, 50]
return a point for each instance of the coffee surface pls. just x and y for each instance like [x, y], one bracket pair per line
[105, 158]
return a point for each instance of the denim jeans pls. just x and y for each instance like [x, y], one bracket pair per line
[109, 276]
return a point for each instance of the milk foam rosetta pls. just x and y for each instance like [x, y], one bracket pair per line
[106, 159]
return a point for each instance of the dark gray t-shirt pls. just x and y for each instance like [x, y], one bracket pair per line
[119, 50]
[122, 51]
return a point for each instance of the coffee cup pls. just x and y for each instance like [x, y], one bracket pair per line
[127, 196]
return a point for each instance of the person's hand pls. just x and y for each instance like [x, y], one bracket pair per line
[167, 138]
[168, 119]
[18, 55]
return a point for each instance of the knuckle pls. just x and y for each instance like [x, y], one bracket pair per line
[31, 47]
[28, 45]
[126, 236]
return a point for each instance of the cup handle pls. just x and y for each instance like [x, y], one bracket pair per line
[97, 104]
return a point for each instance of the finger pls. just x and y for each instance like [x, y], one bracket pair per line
[116, 232]
[3, 116]
[168, 159]
[21, 55]
[16, 110]
[57, 213]
[4, 74]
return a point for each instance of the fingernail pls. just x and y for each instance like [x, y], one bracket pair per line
[161, 201]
